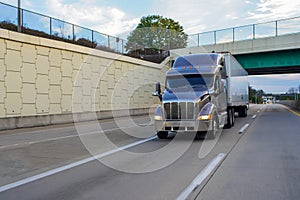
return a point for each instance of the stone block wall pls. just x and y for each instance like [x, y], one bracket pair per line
[42, 77]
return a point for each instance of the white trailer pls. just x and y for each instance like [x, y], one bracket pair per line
[237, 85]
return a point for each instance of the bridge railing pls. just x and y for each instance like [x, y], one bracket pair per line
[44, 26]
[49, 27]
[252, 31]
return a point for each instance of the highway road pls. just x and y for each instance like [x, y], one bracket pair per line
[259, 158]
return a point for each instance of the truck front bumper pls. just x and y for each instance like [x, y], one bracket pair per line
[181, 126]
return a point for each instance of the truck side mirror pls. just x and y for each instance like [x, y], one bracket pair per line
[158, 88]
[157, 91]
[217, 90]
[222, 86]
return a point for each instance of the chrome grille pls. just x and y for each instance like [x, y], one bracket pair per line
[179, 110]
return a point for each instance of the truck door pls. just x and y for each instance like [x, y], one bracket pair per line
[220, 95]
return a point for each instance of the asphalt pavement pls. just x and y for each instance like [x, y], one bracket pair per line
[260, 160]
[265, 164]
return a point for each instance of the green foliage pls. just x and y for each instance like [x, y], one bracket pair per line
[157, 32]
[86, 42]
[255, 96]
[8, 25]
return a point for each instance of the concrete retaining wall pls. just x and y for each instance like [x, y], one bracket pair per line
[295, 104]
[43, 82]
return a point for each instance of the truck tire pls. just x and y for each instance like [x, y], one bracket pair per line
[230, 118]
[233, 117]
[162, 134]
[211, 134]
[243, 111]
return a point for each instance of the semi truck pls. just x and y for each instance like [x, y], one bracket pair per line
[202, 94]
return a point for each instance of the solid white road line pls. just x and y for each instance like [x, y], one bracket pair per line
[72, 165]
[42, 130]
[202, 176]
[65, 137]
[244, 128]
[254, 116]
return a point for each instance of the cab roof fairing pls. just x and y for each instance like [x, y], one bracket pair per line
[196, 64]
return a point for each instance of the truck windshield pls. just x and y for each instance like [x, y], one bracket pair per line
[195, 81]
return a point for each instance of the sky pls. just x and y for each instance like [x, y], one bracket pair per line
[119, 17]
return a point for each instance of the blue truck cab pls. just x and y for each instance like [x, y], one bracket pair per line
[196, 96]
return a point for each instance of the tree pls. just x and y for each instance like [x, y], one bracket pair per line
[252, 95]
[158, 33]
[292, 90]
[256, 95]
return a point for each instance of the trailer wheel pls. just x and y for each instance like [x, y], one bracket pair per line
[162, 134]
[246, 110]
[243, 111]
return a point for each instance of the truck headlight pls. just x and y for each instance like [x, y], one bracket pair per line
[206, 112]
[204, 117]
[158, 118]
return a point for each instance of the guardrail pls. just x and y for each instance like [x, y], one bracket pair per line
[252, 31]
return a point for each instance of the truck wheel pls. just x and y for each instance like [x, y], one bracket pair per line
[211, 134]
[233, 118]
[243, 111]
[162, 134]
[230, 118]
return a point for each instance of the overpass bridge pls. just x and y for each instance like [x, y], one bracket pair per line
[274, 52]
